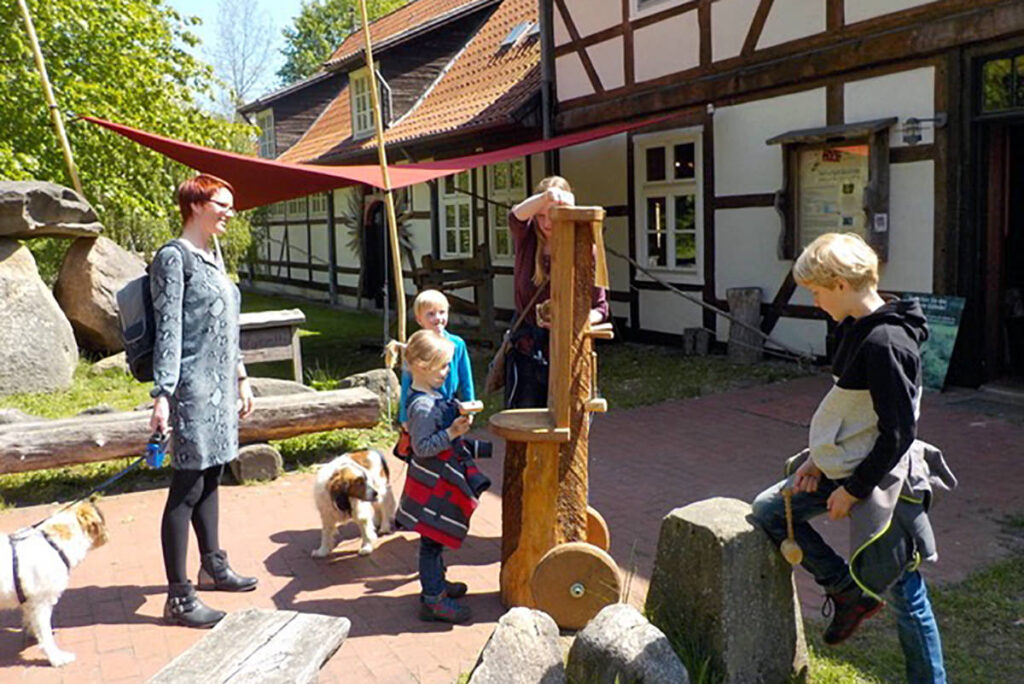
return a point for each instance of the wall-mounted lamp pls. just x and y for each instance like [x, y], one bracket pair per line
[912, 127]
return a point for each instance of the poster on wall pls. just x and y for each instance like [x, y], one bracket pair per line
[832, 182]
[943, 314]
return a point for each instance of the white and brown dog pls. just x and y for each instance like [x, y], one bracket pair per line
[355, 486]
[35, 565]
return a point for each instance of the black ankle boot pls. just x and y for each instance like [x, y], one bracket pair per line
[184, 608]
[216, 574]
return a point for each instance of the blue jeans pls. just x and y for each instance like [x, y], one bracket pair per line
[431, 568]
[918, 631]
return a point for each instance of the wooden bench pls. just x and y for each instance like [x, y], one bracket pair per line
[272, 336]
[449, 275]
[260, 646]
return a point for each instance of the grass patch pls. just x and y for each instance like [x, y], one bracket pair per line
[338, 343]
[979, 620]
[114, 388]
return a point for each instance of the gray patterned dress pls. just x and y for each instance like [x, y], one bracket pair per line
[196, 356]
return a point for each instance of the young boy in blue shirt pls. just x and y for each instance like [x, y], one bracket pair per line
[863, 456]
[431, 311]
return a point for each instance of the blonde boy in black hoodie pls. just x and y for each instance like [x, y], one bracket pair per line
[860, 432]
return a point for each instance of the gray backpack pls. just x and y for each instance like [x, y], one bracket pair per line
[137, 320]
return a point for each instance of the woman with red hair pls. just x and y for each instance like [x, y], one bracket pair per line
[200, 391]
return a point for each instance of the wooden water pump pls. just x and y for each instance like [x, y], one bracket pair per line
[554, 546]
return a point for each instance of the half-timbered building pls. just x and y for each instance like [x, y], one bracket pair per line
[456, 77]
[902, 120]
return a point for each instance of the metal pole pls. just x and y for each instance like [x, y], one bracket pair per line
[396, 259]
[58, 124]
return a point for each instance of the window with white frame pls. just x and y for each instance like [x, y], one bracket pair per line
[297, 208]
[456, 221]
[508, 187]
[318, 204]
[669, 203]
[265, 122]
[362, 104]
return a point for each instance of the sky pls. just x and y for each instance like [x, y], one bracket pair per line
[281, 13]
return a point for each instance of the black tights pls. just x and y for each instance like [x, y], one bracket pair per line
[192, 496]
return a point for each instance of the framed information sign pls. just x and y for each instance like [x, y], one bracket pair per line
[836, 180]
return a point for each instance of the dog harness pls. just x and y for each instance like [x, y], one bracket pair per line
[18, 536]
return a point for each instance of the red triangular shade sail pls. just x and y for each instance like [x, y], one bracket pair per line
[258, 181]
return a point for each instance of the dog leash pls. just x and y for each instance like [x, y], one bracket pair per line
[154, 454]
[155, 450]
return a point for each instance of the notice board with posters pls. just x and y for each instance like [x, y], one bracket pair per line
[943, 314]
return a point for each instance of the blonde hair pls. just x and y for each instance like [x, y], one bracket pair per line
[426, 298]
[425, 349]
[539, 272]
[837, 255]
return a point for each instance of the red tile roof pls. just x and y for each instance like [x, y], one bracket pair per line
[404, 19]
[482, 87]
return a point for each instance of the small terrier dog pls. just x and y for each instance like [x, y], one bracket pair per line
[37, 573]
[354, 486]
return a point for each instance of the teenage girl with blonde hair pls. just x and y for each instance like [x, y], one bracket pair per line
[526, 379]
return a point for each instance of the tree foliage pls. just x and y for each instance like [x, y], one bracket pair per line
[322, 25]
[123, 60]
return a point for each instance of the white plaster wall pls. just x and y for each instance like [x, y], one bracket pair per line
[668, 312]
[320, 250]
[859, 10]
[609, 62]
[902, 94]
[911, 228]
[504, 294]
[792, 19]
[558, 29]
[744, 164]
[571, 78]
[591, 16]
[730, 23]
[666, 47]
[746, 251]
[803, 335]
[616, 236]
[597, 171]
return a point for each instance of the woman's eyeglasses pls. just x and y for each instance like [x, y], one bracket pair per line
[223, 205]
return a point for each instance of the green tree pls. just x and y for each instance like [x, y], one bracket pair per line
[322, 25]
[123, 60]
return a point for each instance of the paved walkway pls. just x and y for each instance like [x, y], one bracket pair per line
[644, 463]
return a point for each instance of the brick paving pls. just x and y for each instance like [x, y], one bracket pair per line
[644, 463]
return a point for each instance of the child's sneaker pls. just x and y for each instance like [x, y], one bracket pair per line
[455, 589]
[851, 607]
[444, 609]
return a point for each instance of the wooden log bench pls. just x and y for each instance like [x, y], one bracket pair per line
[260, 646]
[272, 336]
[84, 439]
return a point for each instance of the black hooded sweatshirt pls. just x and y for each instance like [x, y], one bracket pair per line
[880, 352]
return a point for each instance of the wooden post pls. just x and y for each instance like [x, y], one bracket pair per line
[544, 494]
[389, 199]
[51, 102]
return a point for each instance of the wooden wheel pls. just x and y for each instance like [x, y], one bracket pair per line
[573, 582]
[597, 530]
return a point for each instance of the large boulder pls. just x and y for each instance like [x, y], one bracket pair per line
[619, 646]
[37, 344]
[94, 269]
[30, 209]
[382, 381]
[723, 590]
[523, 649]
